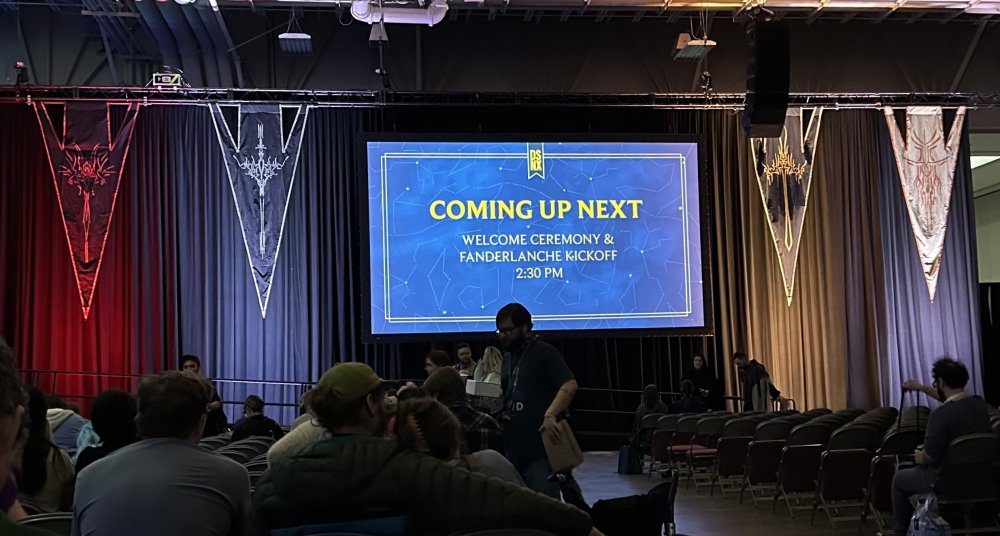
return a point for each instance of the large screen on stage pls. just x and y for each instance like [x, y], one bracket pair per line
[604, 234]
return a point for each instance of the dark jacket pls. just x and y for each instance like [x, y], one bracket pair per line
[353, 477]
[758, 390]
[257, 425]
[704, 380]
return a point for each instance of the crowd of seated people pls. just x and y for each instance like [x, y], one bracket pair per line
[424, 461]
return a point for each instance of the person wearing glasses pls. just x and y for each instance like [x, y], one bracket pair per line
[959, 415]
[537, 388]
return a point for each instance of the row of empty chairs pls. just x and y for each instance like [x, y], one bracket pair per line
[839, 462]
[250, 452]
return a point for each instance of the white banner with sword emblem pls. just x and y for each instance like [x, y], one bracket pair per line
[784, 167]
[261, 171]
[926, 164]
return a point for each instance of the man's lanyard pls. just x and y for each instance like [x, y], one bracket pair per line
[515, 374]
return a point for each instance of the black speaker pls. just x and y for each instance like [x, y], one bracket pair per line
[767, 79]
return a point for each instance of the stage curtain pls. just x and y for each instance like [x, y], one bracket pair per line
[918, 331]
[40, 315]
[820, 350]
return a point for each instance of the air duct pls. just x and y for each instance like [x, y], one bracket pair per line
[363, 11]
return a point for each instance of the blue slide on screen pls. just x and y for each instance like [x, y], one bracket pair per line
[588, 236]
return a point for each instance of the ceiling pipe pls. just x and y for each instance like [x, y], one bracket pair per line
[363, 11]
[187, 45]
[158, 29]
[223, 42]
[213, 68]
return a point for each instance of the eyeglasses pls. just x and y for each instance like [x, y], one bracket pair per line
[505, 331]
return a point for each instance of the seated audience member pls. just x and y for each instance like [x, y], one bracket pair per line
[960, 415]
[217, 422]
[113, 417]
[65, 424]
[305, 431]
[705, 383]
[481, 431]
[436, 359]
[425, 425]
[12, 415]
[488, 369]
[466, 365]
[255, 423]
[165, 484]
[46, 483]
[355, 474]
[650, 405]
[689, 402]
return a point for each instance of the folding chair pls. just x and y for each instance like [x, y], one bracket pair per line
[854, 436]
[772, 430]
[704, 449]
[682, 440]
[731, 454]
[878, 494]
[901, 441]
[809, 434]
[763, 460]
[662, 437]
[797, 472]
[843, 475]
[965, 455]
[644, 439]
[256, 465]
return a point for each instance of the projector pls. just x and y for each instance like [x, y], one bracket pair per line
[295, 43]
[692, 49]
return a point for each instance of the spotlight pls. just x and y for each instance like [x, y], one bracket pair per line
[22, 73]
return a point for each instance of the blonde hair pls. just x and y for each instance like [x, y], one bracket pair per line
[492, 360]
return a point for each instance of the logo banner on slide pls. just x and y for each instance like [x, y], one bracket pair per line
[926, 163]
[86, 161]
[261, 170]
[784, 168]
[587, 235]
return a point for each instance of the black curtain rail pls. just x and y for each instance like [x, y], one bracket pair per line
[363, 99]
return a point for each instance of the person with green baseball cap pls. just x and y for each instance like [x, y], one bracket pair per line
[354, 475]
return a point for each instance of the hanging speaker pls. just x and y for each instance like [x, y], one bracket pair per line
[767, 79]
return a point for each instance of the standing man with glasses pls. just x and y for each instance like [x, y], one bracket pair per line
[537, 388]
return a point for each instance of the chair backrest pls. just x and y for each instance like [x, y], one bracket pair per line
[809, 434]
[843, 474]
[854, 437]
[667, 423]
[763, 460]
[688, 423]
[772, 430]
[739, 428]
[649, 422]
[974, 448]
[880, 482]
[901, 441]
[799, 466]
[260, 465]
[60, 523]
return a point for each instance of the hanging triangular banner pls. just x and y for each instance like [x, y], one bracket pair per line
[86, 161]
[784, 168]
[261, 170]
[926, 163]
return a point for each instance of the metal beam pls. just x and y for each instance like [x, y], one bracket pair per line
[976, 37]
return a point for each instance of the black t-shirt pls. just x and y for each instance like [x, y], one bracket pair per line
[530, 381]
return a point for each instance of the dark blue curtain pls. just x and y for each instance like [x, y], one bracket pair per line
[186, 206]
[919, 331]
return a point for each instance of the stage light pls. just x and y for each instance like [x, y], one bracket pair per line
[692, 49]
[295, 43]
